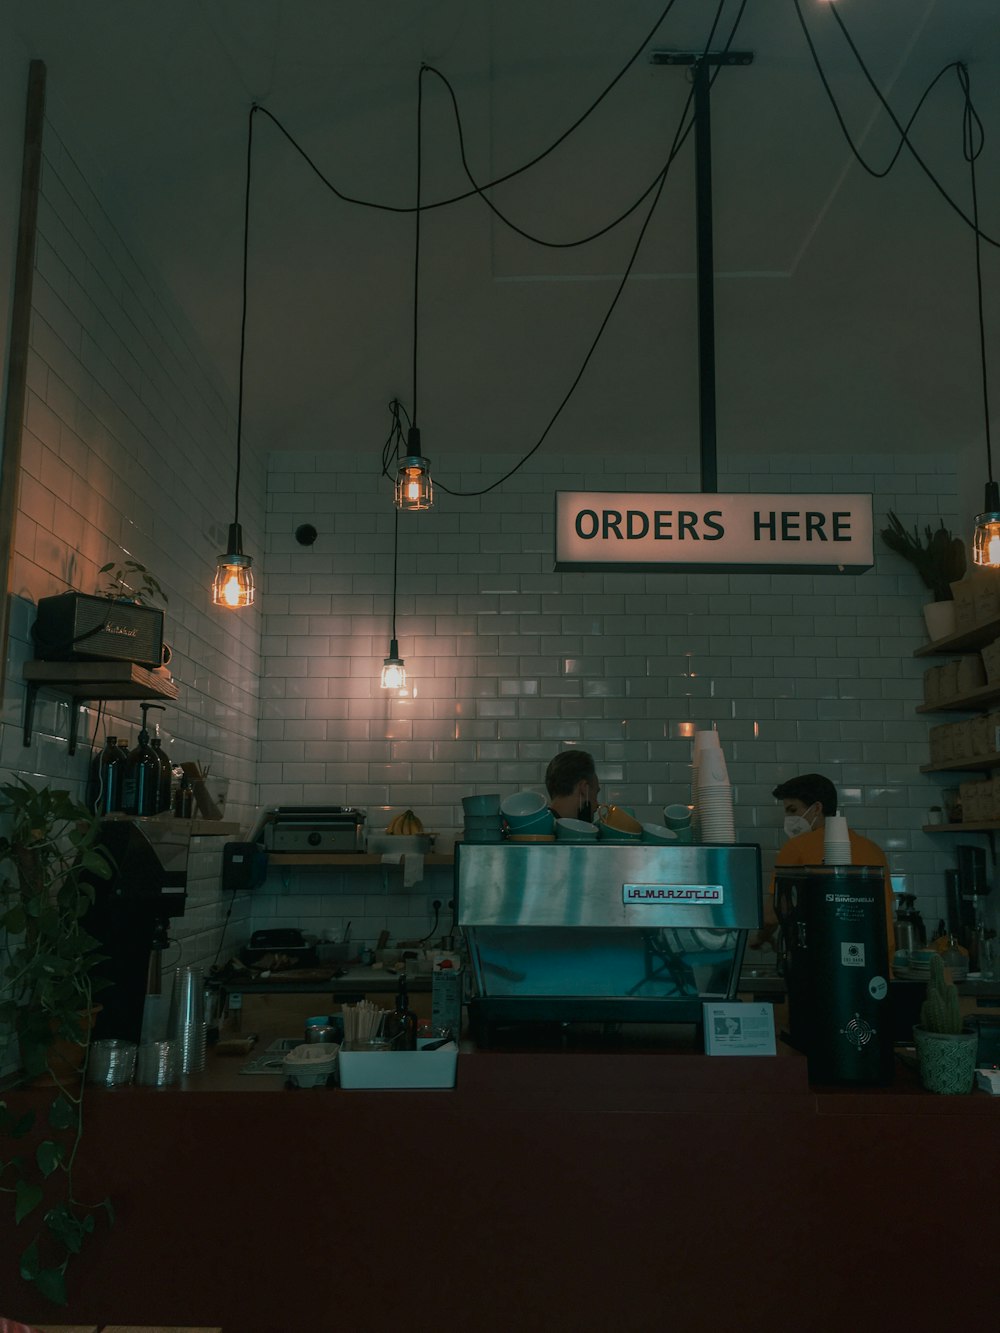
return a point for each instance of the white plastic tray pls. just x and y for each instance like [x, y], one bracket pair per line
[399, 1069]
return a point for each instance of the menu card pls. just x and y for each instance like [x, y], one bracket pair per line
[739, 1029]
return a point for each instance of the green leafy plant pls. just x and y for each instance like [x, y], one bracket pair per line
[938, 557]
[47, 856]
[131, 582]
[940, 1012]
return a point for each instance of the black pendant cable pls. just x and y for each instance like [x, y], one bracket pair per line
[393, 666]
[986, 539]
[233, 586]
[414, 489]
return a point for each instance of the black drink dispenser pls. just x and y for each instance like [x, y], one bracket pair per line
[837, 970]
[130, 914]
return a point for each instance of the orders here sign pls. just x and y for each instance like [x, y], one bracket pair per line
[601, 530]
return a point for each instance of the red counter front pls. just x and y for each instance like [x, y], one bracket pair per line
[546, 1191]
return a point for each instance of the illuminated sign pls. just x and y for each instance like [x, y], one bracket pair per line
[602, 530]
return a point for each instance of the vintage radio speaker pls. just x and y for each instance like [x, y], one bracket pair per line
[73, 627]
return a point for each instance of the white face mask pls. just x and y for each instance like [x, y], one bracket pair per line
[796, 824]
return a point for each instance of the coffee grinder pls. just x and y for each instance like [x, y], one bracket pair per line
[966, 887]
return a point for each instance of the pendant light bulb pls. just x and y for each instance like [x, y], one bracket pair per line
[414, 489]
[393, 669]
[986, 542]
[233, 586]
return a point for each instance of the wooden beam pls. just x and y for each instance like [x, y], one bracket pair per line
[20, 329]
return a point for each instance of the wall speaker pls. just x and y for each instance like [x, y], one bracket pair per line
[74, 627]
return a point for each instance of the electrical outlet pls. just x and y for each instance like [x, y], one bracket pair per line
[436, 904]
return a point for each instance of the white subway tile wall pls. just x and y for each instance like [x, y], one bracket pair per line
[129, 451]
[511, 661]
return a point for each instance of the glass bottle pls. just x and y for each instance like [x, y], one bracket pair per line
[166, 772]
[399, 1027]
[104, 795]
[141, 789]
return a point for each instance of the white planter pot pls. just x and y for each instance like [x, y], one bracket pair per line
[939, 617]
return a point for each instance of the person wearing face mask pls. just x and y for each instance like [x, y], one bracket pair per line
[807, 801]
[572, 785]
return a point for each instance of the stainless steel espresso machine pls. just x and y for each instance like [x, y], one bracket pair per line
[605, 932]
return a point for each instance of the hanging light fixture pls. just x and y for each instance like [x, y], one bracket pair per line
[986, 540]
[233, 584]
[414, 489]
[393, 666]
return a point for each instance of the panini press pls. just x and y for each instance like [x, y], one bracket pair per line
[315, 828]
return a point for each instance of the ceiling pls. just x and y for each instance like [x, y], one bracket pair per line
[845, 304]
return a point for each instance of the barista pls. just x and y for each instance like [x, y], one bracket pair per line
[807, 801]
[572, 785]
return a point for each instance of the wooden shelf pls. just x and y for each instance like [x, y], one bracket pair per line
[956, 643]
[347, 859]
[974, 765]
[967, 703]
[91, 680]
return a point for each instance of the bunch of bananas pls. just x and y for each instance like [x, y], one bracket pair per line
[406, 823]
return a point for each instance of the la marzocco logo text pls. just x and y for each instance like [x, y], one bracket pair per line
[672, 893]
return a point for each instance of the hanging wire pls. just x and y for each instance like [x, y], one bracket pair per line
[416, 233]
[679, 135]
[498, 180]
[243, 318]
[972, 130]
[904, 140]
[395, 566]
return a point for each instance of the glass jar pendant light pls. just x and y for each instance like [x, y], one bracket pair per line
[233, 586]
[414, 489]
[393, 669]
[986, 540]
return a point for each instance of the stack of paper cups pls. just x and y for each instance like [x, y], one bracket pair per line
[713, 795]
[188, 1018]
[836, 843]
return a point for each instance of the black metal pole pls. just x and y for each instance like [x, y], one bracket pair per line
[705, 274]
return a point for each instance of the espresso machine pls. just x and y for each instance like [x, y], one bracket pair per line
[131, 912]
[966, 887]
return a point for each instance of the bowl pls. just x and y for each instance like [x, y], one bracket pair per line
[616, 817]
[543, 822]
[482, 822]
[608, 834]
[522, 805]
[481, 805]
[481, 835]
[576, 830]
[658, 833]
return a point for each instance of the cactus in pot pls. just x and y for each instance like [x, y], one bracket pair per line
[940, 1012]
[946, 1052]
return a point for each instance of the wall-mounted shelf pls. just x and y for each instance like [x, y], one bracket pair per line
[975, 764]
[90, 680]
[984, 826]
[964, 639]
[964, 703]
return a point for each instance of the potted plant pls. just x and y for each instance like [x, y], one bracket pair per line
[47, 853]
[128, 581]
[946, 1050]
[939, 559]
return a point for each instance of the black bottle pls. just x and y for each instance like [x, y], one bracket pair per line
[400, 1027]
[142, 778]
[166, 773]
[104, 794]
